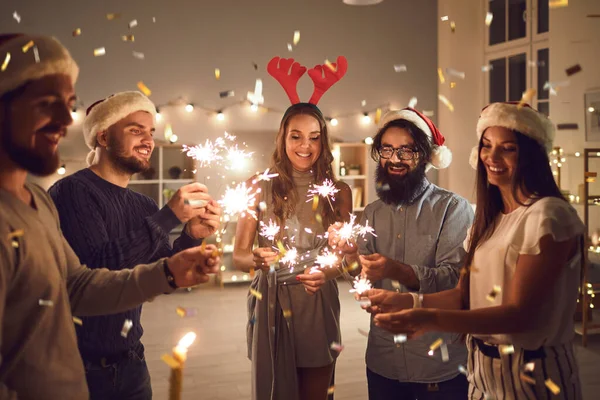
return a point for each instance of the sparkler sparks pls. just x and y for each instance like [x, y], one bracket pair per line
[265, 176]
[239, 200]
[237, 158]
[351, 231]
[269, 230]
[290, 258]
[327, 190]
[327, 259]
[361, 285]
[206, 154]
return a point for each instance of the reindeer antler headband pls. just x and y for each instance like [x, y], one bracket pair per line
[323, 76]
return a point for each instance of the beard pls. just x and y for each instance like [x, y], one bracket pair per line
[27, 158]
[396, 190]
[117, 154]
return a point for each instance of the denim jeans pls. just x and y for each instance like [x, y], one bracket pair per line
[127, 378]
[382, 388]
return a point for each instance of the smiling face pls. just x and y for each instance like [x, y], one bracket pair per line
[303, 141]
[34, 121]
[499, 155]
[398, 138]
[129, 142]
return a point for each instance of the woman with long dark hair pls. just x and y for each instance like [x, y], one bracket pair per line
[518, 293]
[293, 308]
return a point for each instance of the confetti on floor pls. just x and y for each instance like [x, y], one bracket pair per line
[170, 361]
[400, 338]
[78, 321]
[186, 312]
[496, 290]
[45, 303]
[506, 349]
[335, 346]
[552, 386]
[446, 102]
[6, 61]
[17, 17]
[573, 70]
[144, 88]
[256, 293]
[100, 51]
[296, 39]
[138, 55]
[127, 324]
[400, 68]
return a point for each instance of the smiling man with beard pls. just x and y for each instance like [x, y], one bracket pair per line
[42, 282]
[420, 230]
[109, 225]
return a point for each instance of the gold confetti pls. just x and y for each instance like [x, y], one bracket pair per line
[446, 102]
[527, 97]
[296, 38]
[170, 361]
[144, 89]
[281, 248]
[27, 46]
[444, 18]
[558, 3]
[441, 76]
[78, 321]
[452, 26]
[217, 252]
[493, 293]
[331, 389]
[526, 378]
[377, 116]
[353, 266]
[76, 32]
[203, 246]
[319, 218]
[15, 234]
[100, 51]
[452, 85]
[112, 16]
[287, 313]
[252, 272]
[180, 311]
[14, 243]
[6, 61]
[217, 73]
[552, 386]
[315, 204]
[256, 293]
[128, 38]
[433, 346]
[488, 18]
[330, 65]
[127, 324]
[506, 349]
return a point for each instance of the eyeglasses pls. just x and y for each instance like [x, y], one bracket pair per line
[403, 153]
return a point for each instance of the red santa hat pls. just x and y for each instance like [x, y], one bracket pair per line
[104, 113]
[32, 57]
[441, 156]
[516, 117]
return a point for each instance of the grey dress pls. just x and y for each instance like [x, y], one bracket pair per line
[287, 327]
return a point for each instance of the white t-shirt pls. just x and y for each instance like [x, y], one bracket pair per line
[519, 232]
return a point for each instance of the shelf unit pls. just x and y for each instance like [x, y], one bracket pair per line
[351, 165]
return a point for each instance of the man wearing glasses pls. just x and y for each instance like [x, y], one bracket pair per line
[420, 230]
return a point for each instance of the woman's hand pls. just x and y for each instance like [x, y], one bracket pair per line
[312, 279]
[264, 257]
[413, 322]
[385, 301]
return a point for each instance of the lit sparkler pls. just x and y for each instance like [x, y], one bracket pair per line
[327, 259]
[290, 258]
[206, 154]
[269, 230]
[327, 190]
[237, 157]
[361, 285]
[351, 231]
[239, 200]
[265, 176]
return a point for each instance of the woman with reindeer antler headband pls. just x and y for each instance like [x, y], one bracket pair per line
[293, 307]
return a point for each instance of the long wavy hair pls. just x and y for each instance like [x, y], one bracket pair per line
[283, 191]
[532, 177]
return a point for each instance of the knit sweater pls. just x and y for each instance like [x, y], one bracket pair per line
[112, 227]
[42, 285]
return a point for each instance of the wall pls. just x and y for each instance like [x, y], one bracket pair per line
[191, 38]
[462, 50]
[575, 39]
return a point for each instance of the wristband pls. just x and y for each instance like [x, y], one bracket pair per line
[417, 299]
[169, 275]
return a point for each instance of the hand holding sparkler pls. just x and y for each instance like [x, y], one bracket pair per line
[189, 201]
[264, 257]
[375, 266]
[383, 301]
[340, 244]
[191, 267]
[312, 279]
[207, 223]
[413, 322]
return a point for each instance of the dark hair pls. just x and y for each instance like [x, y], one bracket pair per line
[532, 177]
[283, 191]
[422, 141]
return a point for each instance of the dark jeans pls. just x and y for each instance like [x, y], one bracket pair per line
[381, 388]
[125, 377]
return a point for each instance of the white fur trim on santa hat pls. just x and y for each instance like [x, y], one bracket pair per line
[474, 156]
[54, 58]
[109, 112]
[441, 156]
[522, 119]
